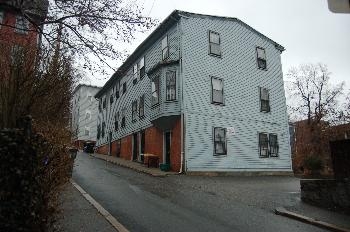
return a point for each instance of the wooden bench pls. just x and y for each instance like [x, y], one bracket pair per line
[152, 160]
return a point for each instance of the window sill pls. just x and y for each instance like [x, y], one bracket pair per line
[155, 105]
[218, 103]
[220, 154]
[263, 69]
[265, 112]
[215, 55]
[170, 101]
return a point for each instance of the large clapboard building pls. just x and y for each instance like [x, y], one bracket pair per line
[204, 93]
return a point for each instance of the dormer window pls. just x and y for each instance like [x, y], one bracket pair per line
[165, 48]
[261, 58]
[134, 81]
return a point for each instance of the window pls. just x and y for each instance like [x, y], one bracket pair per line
[134, 110]
[87, 131]
[273, 143]
[155, 90]
[214, 43]
[88, 115]
[1, 17]
[219, 141]
[116, 124]
[217, 90]
[98, 131]
[89, 98]
[22, 25]
[347, 135]
[142, 106]
[123, 118]
[124, 87]
[111, 99]
[103, 129]
[170, 86]
[17, 55]
[165, 48]
[117, 87]
[268, 145]
[142, 70]
[134, 81]
[264, 100]
[104, 103]
[261, 58]
[99, 105]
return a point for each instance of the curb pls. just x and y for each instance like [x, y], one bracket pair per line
[112, 220]
[325, 225]
[126, 166]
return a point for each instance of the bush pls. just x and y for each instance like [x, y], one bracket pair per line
[313, 163]
[32, 171]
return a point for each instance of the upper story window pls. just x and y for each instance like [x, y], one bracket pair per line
[117, 89]
[17, 55]
[135, 74]
[116, 123]
[165, 48]
[22, 25]
[268, 145]
[124, 87]
[98, 131]
[219, 141]
[104, 103]
[261, 58]
[264, 100]
[88, 115]
[1, 17]
[87, 131]
[99, 105]
[123, 118]
[142, 70]
[89, 98]
[214, 43]
[103, 129]
[134, 111]
[142, 106]
[170, 86]
[217, 90]
[155, 90]
[111, 99]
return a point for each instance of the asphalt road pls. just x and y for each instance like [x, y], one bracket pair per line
[189, 203]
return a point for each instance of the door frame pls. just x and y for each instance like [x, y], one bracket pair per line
[135, 144]
[164, 145]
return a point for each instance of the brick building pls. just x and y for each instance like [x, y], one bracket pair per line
[313, 139]
[203, 93]
[16, 30]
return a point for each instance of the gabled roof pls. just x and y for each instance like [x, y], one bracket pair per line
[85, 85]
[158, 32]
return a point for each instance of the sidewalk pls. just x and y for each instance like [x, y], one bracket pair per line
[319, 214]
[133, 165]
[78, 214]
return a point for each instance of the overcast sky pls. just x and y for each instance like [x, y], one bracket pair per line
[307, 29]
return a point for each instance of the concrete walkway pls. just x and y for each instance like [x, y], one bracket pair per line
[77, 214]
[133, 165]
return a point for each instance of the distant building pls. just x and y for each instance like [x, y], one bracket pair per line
[84, 114]
[16, 30]
[203, 93]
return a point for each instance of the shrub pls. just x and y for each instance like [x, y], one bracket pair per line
[313, 163]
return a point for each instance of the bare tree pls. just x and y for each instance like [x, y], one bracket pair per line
[91, 30]
[39, 83]
[312, 93]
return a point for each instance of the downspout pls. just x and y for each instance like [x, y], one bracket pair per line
[181, 102]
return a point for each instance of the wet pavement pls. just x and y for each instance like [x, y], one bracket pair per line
[189, 203]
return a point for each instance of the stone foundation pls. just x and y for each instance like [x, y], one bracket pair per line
[326, 193]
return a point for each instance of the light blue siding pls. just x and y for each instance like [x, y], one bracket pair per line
[153, 56]
[242, 79]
